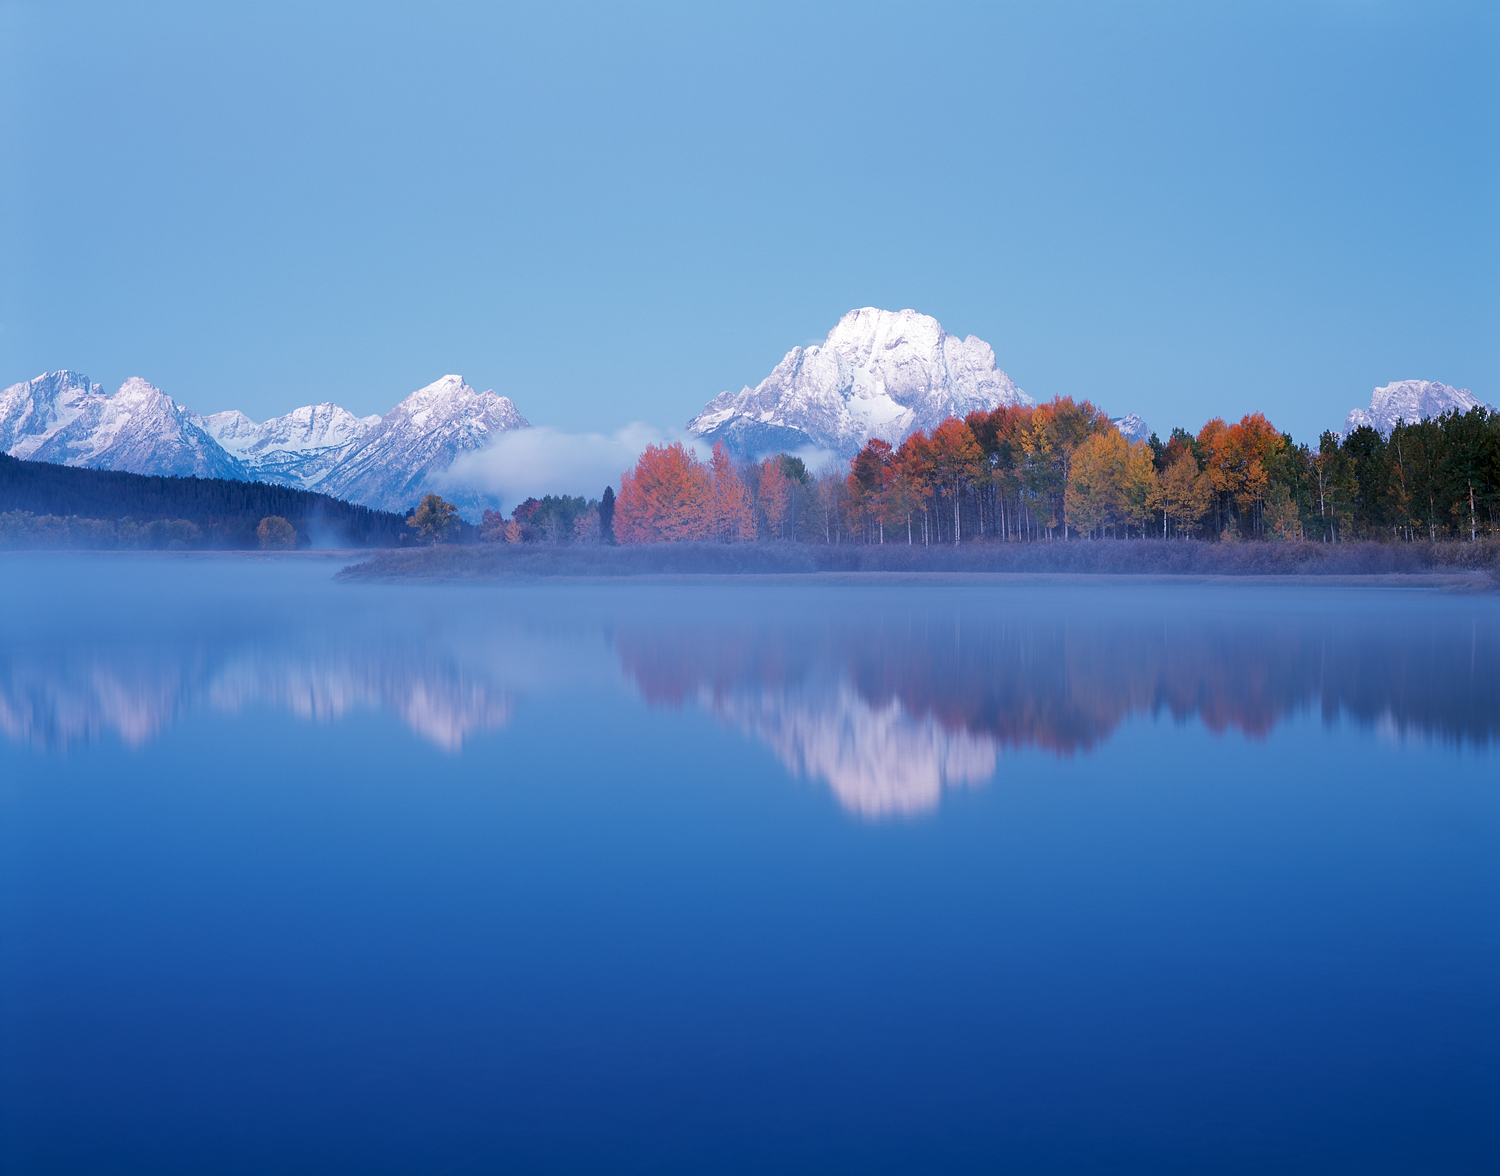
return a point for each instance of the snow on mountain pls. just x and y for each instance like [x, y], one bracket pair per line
[60, 417]
[1132, 427]
[406, 453]
[298, 449]
[384, 462]
[34, 410]
[880, 373]
[1410, 401]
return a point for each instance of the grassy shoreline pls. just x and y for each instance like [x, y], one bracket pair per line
[1477, 564]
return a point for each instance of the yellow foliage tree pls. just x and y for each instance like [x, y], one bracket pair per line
[1139, 484]
[433, 518]
[1094, 498]
[1183, 494]
[276, 534]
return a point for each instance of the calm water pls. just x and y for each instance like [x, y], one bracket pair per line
[306, 877]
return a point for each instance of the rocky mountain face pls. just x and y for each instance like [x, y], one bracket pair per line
[384, 462]
[880, 373]
[298, 449]
[405, 454]
[1410, 401]
[60, 417]
[1132, 427]
[34, 410]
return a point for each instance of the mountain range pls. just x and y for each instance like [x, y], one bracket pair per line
[879, 373]
[385, 462]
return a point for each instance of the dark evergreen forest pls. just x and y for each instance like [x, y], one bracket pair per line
[42, 503]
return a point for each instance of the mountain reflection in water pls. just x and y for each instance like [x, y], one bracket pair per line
[888, 695]
[136, 693]
[889, 713]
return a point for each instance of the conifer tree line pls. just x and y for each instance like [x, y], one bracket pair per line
[46, 505]
[1061, 470]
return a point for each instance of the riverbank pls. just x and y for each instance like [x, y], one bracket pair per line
[1477, 564]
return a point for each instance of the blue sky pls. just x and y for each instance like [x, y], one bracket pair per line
[611, 214]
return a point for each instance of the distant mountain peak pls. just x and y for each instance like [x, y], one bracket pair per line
[1410, 401]
[406, 451]
[1132, 427]
[879, 373]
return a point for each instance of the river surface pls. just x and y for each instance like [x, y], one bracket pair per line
[1008, 875]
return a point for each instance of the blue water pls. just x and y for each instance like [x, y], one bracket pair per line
[302, 876]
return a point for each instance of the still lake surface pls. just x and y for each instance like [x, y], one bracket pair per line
[1030, 876]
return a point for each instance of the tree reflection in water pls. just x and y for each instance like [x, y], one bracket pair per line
[890, 710]
[887, 694]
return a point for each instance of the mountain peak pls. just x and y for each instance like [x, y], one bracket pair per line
[879, 373]
[1410, 401]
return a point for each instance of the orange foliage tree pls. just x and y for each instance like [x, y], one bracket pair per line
[1050, 437]
[664, 499]
[1238, 460]
[730, 518]
[957, 462]
[775, 494]
[999, 433]
[870, 478]
[672, 497]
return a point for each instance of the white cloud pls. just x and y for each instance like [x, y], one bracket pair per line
[543, 460]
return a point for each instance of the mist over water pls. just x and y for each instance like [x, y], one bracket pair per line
[1039, 873]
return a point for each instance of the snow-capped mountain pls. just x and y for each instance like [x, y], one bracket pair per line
[1410, 401]
[880, 373]
[405, 454]
[60, 417]
[384, 462]
[1132, 427]
[34, 410]
[298, 449]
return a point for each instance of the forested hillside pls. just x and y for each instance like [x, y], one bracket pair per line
[39, 500]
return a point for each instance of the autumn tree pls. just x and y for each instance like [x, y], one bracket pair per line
[1138, 484]
[586, 526]
[956, 463]
[912, 485]
[1184, 495]
[999, 434]
[276, 534]
[775, 494]
[665, 498]
[1238, 459]
[1050, 437]
[729, 516]
[869, 479]
[492, 525]
[1095, 497]
[831, 491]
[434, 518]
